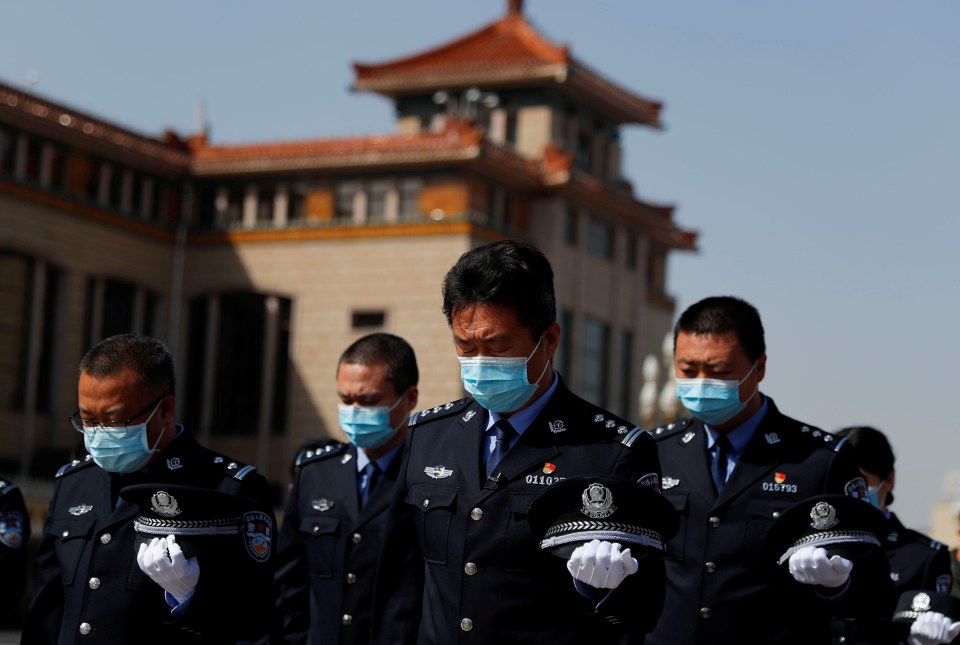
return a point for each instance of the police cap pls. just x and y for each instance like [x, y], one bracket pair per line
[202, 520]
[843, 525]
[594, 507]
[912, 604]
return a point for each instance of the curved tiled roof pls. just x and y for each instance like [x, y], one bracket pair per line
[509, 51]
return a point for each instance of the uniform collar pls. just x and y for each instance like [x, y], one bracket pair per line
[740, 436]
[383, 462]
[521, 420]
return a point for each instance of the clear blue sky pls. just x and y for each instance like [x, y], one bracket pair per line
[813, 144]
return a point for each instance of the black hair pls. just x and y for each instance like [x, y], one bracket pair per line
[872, 451]
[871, 447]
[719, 315]
[147, 357]
[510, 273]
[387, 349]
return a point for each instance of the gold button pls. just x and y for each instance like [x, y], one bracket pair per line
[105, 538]
[85, 628]
[466, 624]
[94, 583]
[357, 538]
[476, 514]
[714, 521]
[705, 612]
[351, 578]
[470, 569]
[425, 503]
[711, 567]
[347, 619]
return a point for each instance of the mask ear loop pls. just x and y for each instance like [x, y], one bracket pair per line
[544, 370]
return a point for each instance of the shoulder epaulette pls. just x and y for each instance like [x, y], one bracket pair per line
[926, 540]
[234, 468]
[630, 436]
[439, 412]
[822, 437]
[670, 429]
[74, 466]
[323, 451]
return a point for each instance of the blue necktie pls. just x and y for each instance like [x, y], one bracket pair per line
[718, 468]
[504, 433]
[370, 475]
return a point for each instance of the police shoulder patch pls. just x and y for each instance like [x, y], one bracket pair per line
[672, 428]
[926, 540]
[316, 453]
[74, 466]
[439, 412]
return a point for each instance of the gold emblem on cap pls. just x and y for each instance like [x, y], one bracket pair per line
[163, 503]
[921, 602]
[597, 501]
[824, 516]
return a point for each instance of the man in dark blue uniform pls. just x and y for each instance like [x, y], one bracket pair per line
[730, 471]
[334, 519]
[14, 533]
[917, 562]
[88, 586]
[460, 563]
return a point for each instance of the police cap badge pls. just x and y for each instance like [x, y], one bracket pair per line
[580, 509]
[843, 525]
[912, 604]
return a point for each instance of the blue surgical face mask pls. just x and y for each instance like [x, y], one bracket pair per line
[498, 383]
[367, 426]
[121, 450]
[713, 401]
[873, 493]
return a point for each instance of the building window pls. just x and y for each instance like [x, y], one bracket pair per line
[8, 152]
[367, 319]
[410, 197]
[34, 158]
[511, 127]
[117, 307]
[265, 200]
[297, 202]
[20, 282]
[344, 198]
[594, 361]
[570, 223]
[250, 347]
[377, 200]
[599, 239]
[625, 396]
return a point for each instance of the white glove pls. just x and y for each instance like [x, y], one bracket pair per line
[810, 566]
[932, 628]
[164, 562]
[601, 564]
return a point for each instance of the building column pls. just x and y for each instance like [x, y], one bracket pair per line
[209, 367]
[96, 310]
[271, 307]
[391, 205]
[103, 189]
[250, 206]
[20, 157]
[360, 207]
[35, 337]
[46, 165]
[281, 206]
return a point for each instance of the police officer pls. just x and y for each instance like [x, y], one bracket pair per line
[461, 563]
[917, 562]
[329, 540]
[14, 534]
[730, 471]
[89, 586]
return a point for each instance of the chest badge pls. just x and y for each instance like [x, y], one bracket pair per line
[779, 478]
[347, 457]
[437, 472]
[670, 482]
[80, 509]
[322, 504]
[557, 426]
[687, 438]
[469, 415]
[174, 463]
[548, 468]
[772, 438]
[780, 485]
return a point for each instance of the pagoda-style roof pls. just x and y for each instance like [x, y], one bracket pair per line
[509, 52]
